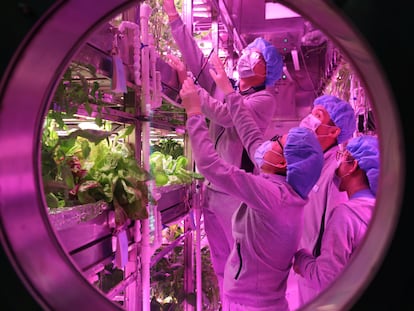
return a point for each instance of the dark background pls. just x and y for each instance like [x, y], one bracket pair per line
[387, 25]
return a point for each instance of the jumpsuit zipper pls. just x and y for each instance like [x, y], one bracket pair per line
[241, 261]
[218, 137]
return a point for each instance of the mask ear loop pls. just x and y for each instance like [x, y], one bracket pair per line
[257, 60]
[276, 138]
[352, 170]
[280, 164]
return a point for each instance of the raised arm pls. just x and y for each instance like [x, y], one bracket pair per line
[243, 118]
[192, 55]
[255, 191]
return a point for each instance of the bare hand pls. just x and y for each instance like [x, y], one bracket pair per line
[190, 97]
[219, 75]
[178, 65]
[295, 266]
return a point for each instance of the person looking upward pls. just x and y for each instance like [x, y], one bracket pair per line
[259, 67]
[346, 224]
[333, 121]
[266, 226]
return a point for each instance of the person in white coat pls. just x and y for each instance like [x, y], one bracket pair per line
[333, 121]
[346, 224]
[260, 66]
[267, 225]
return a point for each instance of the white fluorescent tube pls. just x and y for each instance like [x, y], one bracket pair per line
[295, 59]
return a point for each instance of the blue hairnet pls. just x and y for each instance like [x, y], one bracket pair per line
[341, 113]
[365, 150]
[304, 157]
[274, 61]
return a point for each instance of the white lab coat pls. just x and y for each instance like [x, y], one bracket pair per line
[219, 206]
[266, 227]
[324, 194]
[346, 225]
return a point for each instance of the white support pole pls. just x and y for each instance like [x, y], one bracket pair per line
[188, 260]
[145, 12]
[154, 87]
[197, 213]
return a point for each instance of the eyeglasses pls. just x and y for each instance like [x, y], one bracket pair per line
[276, 138]
[253, 54]
[344, 153]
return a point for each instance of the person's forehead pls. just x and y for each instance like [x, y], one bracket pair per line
[253, 52]
[319, 108]
[321, 112]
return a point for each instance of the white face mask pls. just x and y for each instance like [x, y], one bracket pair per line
[246, 64]
[311, 122]
[261, 151]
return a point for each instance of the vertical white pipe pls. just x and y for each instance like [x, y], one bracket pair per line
[145, 12]
[137, 47]
[197, 210]
[153, 81]
[158, 90]
[137, 56]
[134, 291]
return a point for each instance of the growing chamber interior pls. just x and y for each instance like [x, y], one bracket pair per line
[77, 268]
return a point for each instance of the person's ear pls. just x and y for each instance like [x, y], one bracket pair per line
[334, 131]
[354, 166]
[282, 164]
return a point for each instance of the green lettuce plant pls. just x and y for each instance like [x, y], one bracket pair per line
[88, 166]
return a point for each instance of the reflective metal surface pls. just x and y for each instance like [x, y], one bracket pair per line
[28, 237]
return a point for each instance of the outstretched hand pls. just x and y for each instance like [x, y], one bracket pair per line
[219, 75]
[179, 66]
[190, 97]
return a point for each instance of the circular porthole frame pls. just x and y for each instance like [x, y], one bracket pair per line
[26, 234]
[29, 240]
[360, 271]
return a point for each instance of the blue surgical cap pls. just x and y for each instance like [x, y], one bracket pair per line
[304, 157]
[274, 61]
[341, 113]
[365, 150]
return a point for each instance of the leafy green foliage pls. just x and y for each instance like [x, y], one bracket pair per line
[340, 84]
[87, 166]
[109, 278]
[160, 29]
[78, 88]
[167, 279]
[168, 146]
[168, 171]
